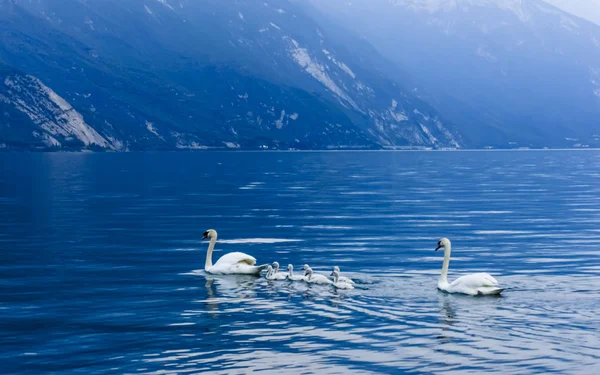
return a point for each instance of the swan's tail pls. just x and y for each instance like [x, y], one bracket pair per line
[260, 268]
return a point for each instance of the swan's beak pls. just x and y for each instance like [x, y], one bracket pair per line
[439, 247]
[204, 237]
[331, 274]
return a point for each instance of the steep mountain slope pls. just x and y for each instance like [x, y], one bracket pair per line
[34, 114]
[506, 72]
[179, 74]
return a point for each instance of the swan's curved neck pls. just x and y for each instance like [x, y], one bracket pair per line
[211, 246]
[291, 272]
[444, 275]
[276, 269]
[335, 277]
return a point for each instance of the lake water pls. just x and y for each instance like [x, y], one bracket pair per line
[101, 262]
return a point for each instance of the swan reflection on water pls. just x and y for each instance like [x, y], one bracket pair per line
[236, 286]
[235, 289]
[447, 319]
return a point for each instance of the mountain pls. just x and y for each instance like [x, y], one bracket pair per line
[507, 73]
[184, 74]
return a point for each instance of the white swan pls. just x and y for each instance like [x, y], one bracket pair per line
[339, 283]
[342, 279]
[293, 277]
[275, 275]
[229, 264]
[315, 278]
[474, 284]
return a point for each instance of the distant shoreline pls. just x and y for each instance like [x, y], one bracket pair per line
[19, 151]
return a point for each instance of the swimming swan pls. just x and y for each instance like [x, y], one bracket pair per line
[474, 284]
[342, 279]
[229, 264]
[275, 275]
[269, 275]
[293, 277]
[339, 283]
[315, 278]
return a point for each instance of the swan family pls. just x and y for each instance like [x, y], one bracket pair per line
[237, 263]
[243, 264]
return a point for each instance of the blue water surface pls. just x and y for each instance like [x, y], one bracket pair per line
[101, 262]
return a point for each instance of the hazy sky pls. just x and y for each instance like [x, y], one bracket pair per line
[588, 9]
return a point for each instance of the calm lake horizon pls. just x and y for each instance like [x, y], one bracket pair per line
[102, 262]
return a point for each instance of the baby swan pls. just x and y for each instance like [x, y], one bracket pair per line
[339, 283]
[293, 277]
[275, 275]
[315, 278]
[269, 274]
[342, 279]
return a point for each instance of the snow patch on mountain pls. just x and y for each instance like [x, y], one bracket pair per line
[399, 117]
[152, 129]
[481, 52]
[90, 23]
[318, 71]
[432, 140]
[447, 134]
[279, 122]
[340, 64]
[417, 112]
[165, 3]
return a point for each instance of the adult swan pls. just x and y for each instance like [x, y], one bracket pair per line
[474, 284]
[229, 264]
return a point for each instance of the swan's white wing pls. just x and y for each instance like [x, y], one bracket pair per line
[279, 276]
[476, 283]
[297, 278]
[486, 280]
[342, 285]
[319, 279]
[344, 279]
[233, 258]
[475, 280]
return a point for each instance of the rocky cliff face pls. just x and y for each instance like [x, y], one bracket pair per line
[53, 122]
